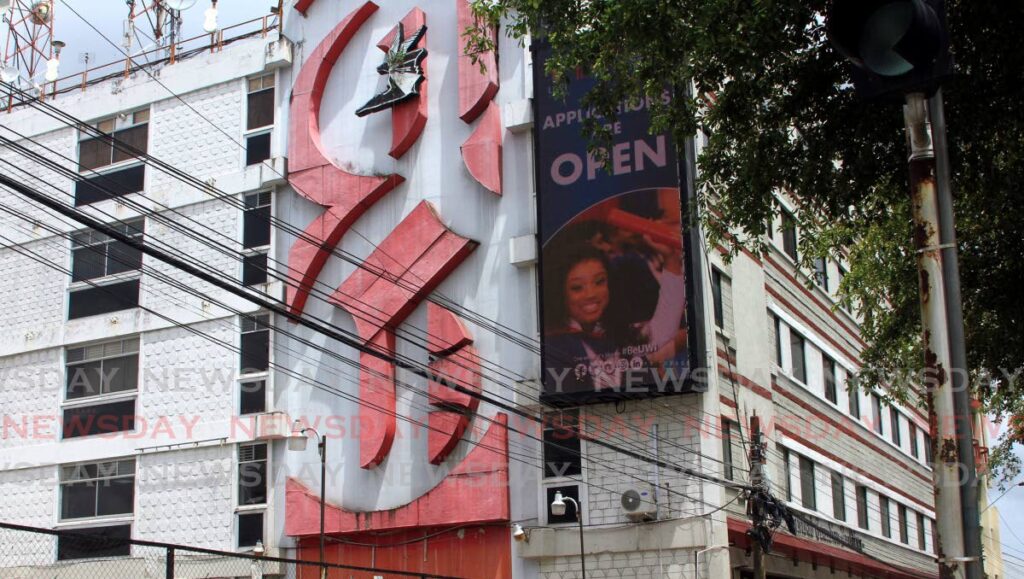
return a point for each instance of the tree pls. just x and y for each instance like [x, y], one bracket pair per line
[785, 118]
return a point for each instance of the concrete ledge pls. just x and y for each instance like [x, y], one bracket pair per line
[564, 541]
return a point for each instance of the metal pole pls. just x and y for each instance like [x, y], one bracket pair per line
[169, 564]
[757, 481]
[957, 344]
[322, 447]
[934, 323]
[583, 555]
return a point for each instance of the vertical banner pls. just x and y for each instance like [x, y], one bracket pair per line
[616, 321]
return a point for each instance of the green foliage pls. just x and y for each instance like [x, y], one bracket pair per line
[785, 118]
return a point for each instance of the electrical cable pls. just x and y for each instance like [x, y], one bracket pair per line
[72, 175]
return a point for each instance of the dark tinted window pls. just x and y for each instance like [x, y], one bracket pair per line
[808, 497]
[862, 507]
[261, 109]
[250, 529]
[716, 298]
[883, 504]
[103, 299]
[257, 149]
[110, 185]
[828, 367]
[253, 397]
[255, 344]
[252, 474]
[789, 235]
[838, 497]
[95, 542]
[562, 444]
[99, 419]
[796, 351]
[254, 269]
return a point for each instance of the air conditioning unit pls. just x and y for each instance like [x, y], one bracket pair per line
[639, 503]
[272, 425]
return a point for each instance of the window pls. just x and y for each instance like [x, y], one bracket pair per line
[894, 418]
[255, 343]
[570, 491]
[99, 375]
[862, 507]
[252, 474]
[250, 529]
[252, 397]
[928, 456]
[876, 414]
[256, 237]
[100, 369]
[727, 449]
[259, 119]
[838, 498]
[97, 489]
[854, 394]
[922, 541]
[821, 272]
[807, 497]
[716, 298]
[828, 369]
[796, 352]
[904, 525]
[786, 482]
[789, 235]
[914, 450]
[126, 136]
[883, 509]
[98, 258]
[562, 444]
[94, 542]
[778, 340]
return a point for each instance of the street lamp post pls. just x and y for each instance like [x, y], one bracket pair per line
[297, 442]
[558, 509]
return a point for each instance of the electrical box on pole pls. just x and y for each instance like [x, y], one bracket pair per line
[896, 46]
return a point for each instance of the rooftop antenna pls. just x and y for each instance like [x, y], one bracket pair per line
[157, 21]
[29, 46]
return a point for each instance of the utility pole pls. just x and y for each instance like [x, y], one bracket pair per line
[760, 484]
[901, 50]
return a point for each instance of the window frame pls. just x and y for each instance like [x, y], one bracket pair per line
[830, 378]
[136, 228]
[885, 515]
[717, 303]
[64, 482]
[118, 124]
[562, 421]
[876, 414]
[790, 240]
[259, 325]
[895, 434]
[795, 338]
[728, 461]
[266, 478]
[263, 130]
[838, 496]
[808, 483]
[91, 399]
[820, 273]
[863, 510]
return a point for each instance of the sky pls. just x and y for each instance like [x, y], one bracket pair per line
[109, 16]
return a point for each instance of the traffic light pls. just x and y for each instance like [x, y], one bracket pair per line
[896, 46]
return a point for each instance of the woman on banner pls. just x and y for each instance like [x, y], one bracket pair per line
[615, 310]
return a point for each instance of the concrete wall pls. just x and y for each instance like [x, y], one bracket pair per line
[184, 442]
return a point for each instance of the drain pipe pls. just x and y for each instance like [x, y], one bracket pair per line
[696, 556]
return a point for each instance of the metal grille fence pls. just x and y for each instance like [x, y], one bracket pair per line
[35, 553]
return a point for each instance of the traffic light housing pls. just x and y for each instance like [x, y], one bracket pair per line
[896, 46]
